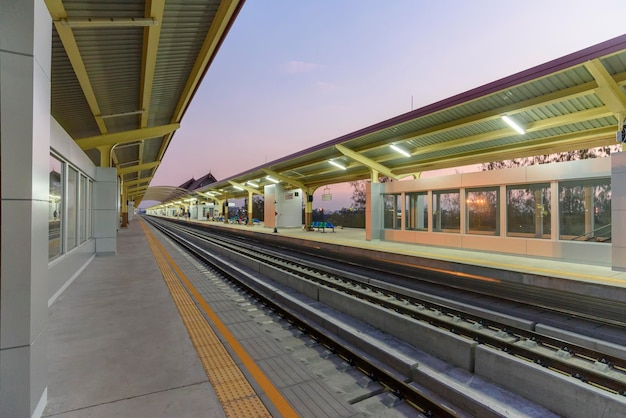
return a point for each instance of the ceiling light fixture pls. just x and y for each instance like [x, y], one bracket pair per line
[513, 125]
[336, 164]
[253, 184]
[273, 180]
[118, 22]
[237, 187]
[400, 150]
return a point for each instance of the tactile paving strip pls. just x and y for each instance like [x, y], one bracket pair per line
[235, 393]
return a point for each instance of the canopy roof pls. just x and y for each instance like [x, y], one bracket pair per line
[574, 102]
[125, 71]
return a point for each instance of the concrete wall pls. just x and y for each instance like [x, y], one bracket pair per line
[586, 252]
[62, 270]
[374, 211]
[288, 204]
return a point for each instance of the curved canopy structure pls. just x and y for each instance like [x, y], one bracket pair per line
[165, 193]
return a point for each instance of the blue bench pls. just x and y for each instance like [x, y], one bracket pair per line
[322, 226]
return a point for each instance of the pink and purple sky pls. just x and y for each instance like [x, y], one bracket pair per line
[293, 74]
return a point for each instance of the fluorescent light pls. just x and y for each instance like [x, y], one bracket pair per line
[400, 150]
[189, 200]
[272, 179]
[117, 22]
[513, 125]
[209, 194]
[253, 184]
[336, 164]
[237, 187]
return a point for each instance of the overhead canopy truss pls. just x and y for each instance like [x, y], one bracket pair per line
[124, 72]
[574, 102]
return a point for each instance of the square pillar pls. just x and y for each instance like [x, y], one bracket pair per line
[25, 58]
[618, 211]
[105, 210]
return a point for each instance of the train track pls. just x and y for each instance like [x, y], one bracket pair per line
[587, 365]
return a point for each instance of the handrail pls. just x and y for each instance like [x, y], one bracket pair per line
[592, 235]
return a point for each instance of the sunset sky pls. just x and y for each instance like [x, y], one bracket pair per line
[293, 74]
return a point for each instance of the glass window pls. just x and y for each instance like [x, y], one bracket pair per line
[446, 211]
[585, 210]
[528, 211]
[416, 211]
[55, 209]
[72, 200]
[482, 208]
[392, 211]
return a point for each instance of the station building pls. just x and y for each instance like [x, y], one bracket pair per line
[91, 94]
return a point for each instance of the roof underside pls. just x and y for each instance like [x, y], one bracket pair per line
[124, 72]
[574, 102]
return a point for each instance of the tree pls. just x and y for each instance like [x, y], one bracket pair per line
[359, 191]
[258, 207]
[358, 194]
[583, 154]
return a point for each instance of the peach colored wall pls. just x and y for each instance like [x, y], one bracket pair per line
[596, 253]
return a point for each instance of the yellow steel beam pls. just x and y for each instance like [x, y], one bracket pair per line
[138, 167]
[608, 90]
[286, 179]
[512, 109]
[245, 188]
[57, 11]
[126, 136]
[151, 36]
[135, 189]
[503, 133]
[368, 162]
[138, 181]
[561, 143]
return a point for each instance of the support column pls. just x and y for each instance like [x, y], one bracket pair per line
[618, 211]
[308, 206]
[105, 155]
[25, 50]
[124, 207]
[250, 196]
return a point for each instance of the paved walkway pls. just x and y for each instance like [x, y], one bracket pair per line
[117, 345]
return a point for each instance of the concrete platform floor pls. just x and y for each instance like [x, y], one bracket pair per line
[598, 274]
[117, 345]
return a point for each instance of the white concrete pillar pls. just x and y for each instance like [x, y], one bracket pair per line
[105, 210]
[618, 211]
[25, 51]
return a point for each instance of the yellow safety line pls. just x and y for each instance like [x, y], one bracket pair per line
[221, 369]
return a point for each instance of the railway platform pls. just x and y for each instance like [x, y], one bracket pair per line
[598, 280]
[125, 340]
